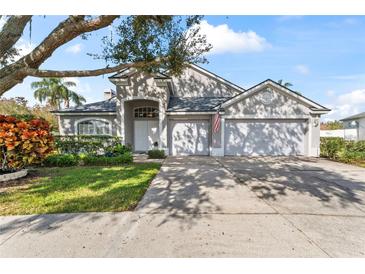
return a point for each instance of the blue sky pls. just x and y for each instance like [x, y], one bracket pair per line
[322, 56]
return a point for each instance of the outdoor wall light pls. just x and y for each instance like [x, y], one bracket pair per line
[316, 122]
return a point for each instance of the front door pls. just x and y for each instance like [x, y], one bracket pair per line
[145, 134]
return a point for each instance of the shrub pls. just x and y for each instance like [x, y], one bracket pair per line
[61, 160]
[23, 142]
[350, 156]
[331, 146]
[156, 154]
[91, 160]
[352, 146]
[117, 149]
[89, 144]
[341, 150]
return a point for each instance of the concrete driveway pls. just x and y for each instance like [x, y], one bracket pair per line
[207, 207]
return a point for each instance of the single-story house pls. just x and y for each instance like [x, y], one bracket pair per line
[200, 113]
[357, 123]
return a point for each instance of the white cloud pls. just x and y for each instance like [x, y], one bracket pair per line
[302, 69]
[225, 40]
[347, 104]
[74, 49]
[356, 97]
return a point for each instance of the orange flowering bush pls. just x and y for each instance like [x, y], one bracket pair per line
[23, 142]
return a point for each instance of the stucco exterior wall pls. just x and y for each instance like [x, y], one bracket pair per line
[281, 106]
[68, 123]
[193, 83]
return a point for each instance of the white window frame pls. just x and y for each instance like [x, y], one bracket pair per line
[93, 119]
[141, 107]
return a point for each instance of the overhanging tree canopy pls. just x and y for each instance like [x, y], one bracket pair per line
[146, 42]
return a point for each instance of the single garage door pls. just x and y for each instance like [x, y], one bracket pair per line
[265, 137]
[189, 137]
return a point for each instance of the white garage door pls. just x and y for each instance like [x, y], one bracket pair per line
[190, 137]
[269, 137]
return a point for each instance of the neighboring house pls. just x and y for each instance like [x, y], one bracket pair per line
[176, 113]
[357, 123]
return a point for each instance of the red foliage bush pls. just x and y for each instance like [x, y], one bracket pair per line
[23, 142]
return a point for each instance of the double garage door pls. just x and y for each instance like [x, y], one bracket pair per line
[241, 137]
[265, 137]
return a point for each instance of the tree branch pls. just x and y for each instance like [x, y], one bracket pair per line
[74, 73]
[67, 30]
[86, 73]
[63, 33]
[12, 31]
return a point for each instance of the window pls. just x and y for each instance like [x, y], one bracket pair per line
[94, 127]
[146, 112]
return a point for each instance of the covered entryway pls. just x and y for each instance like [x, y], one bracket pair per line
[141, 122]
[189, 137]
[265, 137]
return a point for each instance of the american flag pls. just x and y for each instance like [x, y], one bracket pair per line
[216, 122]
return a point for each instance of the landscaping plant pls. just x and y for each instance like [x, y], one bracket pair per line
[338, 149]
[23, 142]
[91, 160]
[89, 144]
[61, 160]
[156, 154]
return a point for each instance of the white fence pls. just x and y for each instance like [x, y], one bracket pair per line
[348, 134]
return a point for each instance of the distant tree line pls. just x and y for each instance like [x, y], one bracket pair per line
[331, 125]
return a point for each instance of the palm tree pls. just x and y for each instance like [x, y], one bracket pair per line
[285, 84]
[288, 85]
[55, 91]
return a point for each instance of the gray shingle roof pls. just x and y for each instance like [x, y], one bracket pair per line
[109, 105]
[194, 103]
[354, 117]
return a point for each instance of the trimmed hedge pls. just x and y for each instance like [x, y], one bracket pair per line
[90, 160]
[90, 144]
[61, 160]
[156, 154]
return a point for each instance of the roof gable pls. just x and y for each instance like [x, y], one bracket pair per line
[216, 77]
[270, 83]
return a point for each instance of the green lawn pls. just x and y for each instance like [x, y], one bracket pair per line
[79, 189]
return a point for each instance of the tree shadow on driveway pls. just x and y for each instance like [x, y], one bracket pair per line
[296, 184]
